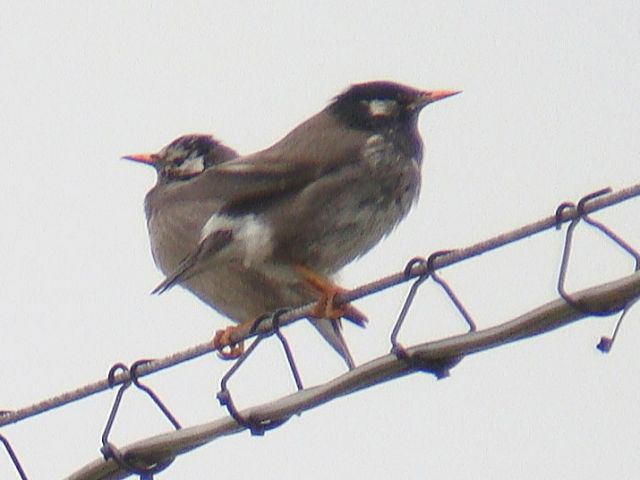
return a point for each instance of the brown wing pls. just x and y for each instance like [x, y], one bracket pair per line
[316, 147]
[207, 248]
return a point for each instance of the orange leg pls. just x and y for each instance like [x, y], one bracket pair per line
[226, 349]
[325, 308]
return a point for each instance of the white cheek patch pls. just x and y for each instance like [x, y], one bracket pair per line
[383, 108]
[191, 166]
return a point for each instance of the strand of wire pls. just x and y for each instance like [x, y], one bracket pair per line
[606, 343]
[12, 455]
[550, 316]
[439, 366]
[144, 470]
[455, 256]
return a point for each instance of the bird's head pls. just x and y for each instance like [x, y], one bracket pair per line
[185, 157]
[382, 104]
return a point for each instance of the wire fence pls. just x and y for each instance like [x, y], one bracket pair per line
[152, 455]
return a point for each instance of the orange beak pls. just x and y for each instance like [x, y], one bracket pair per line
[428, 97]
[148, 158]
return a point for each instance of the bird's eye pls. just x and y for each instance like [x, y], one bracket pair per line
[178, 162]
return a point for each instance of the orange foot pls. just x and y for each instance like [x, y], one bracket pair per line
[226, 349]
[325, 308]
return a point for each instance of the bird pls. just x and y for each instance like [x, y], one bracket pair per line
[174, 225]
[322, 196]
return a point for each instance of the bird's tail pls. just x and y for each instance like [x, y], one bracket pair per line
[331, 330]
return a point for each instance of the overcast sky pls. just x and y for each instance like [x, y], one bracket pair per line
[550, 111]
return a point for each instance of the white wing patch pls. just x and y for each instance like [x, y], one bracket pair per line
[252, 236]
[256, 236]
[217, 222]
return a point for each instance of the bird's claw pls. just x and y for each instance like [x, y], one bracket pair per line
[326, 307]
[226, 349]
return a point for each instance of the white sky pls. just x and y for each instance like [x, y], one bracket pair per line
[549, 113]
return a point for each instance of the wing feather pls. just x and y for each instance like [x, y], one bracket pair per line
[317, 147]
[208, 247]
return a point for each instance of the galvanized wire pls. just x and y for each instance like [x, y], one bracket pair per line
[152, 455]
[545, 318]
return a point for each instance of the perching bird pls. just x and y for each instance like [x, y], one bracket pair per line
[319, 198]
[174, 227]
[174, 224]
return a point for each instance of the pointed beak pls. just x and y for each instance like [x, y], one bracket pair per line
[427, 97]
[148, 158]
